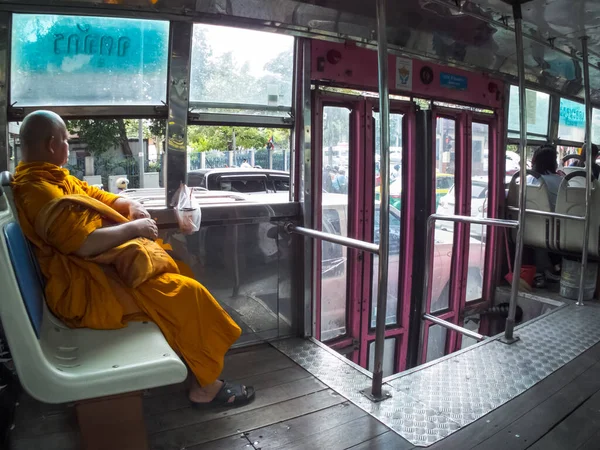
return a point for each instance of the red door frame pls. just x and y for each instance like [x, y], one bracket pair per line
[361, 207]
[461, 246]
[354, 266]
[399, 329]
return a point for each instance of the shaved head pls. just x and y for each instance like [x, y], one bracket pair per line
[43, 137]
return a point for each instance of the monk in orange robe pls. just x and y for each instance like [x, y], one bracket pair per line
[84, 293]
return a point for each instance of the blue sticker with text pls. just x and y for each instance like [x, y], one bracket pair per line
[452, 81]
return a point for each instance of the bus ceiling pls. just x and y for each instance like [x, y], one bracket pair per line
[475, 35]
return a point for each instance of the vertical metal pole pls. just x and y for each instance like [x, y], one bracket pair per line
[178, 98]
[141, 154]
[384, 207]
[512, 309]
[588, 166]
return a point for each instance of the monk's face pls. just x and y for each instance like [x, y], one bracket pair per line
[59, 146]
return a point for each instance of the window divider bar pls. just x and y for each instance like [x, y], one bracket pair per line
[17, 114]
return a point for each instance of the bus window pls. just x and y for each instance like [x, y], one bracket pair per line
[571, 123]
[111, 61]
[230, 70]
[538, 113]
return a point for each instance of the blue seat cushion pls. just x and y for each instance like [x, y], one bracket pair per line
[26, 271]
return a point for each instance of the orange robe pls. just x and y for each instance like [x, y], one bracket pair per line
[85, 294]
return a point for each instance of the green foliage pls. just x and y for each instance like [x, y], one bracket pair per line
[206, 138]
[99, 135]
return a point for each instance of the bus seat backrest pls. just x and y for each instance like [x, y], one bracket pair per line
[5, 180]
[26, 273]
[571, 200]
[538, 229]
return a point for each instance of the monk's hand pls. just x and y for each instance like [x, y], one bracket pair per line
[137, 211]
[146, 228]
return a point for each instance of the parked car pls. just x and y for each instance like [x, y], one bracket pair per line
[245, 181]
[479, 191]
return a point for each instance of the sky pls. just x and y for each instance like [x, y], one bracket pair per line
[256, 47]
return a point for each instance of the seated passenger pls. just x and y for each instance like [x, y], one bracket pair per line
[84, 293]
[545, 163]
[595, 166]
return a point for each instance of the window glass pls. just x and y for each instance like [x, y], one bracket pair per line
[394, 221]
[445, 203]
[336, 139]
[596, 126]
[218, 147]
[389, 356]
[70, 60]
[538, 107]
[479, 201]
[232, 67]
[571, 124]
[436, 342]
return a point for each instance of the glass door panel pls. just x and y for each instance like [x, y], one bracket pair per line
[479, 200]
[394, 221]
[445, 203]
[334, 210]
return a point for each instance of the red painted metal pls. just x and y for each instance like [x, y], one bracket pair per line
[358, 68]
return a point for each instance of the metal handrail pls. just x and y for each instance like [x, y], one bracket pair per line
[429, 253]
[335, 238]
[444, 323]
[537, 212]
[472, 220]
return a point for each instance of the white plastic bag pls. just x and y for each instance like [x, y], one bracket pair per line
[187, 210]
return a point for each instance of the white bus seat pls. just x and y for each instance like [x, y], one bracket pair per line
[571, 201]
[577, 181]
[538, 229]
[57, 364]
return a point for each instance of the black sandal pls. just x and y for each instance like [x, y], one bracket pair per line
[242, 395]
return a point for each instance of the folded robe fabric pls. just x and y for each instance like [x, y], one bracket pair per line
[83, 294]
[135, 261]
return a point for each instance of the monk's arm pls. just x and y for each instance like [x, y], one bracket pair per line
[126, 207]
[130, 208]
[103, 239]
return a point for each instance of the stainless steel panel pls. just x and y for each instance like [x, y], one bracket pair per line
[246, 262]
[304, 128]
[226, 214]
[4, 79]
[178, 100]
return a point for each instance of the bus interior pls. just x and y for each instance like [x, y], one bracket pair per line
[365, 179]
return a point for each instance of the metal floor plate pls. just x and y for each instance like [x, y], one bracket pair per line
[431, 403]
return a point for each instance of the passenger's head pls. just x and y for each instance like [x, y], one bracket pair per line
[44, 138]
[544, 159]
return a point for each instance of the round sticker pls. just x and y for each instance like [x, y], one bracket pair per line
[426, 75]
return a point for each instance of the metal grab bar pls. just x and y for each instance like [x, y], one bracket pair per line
[537, 212]
[429, 252]
[336, 239]
[468, 219]
[478, 337]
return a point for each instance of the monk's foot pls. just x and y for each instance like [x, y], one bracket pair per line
[220, 393]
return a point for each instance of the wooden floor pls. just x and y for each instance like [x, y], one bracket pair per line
[562, 412]
[292, 410]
